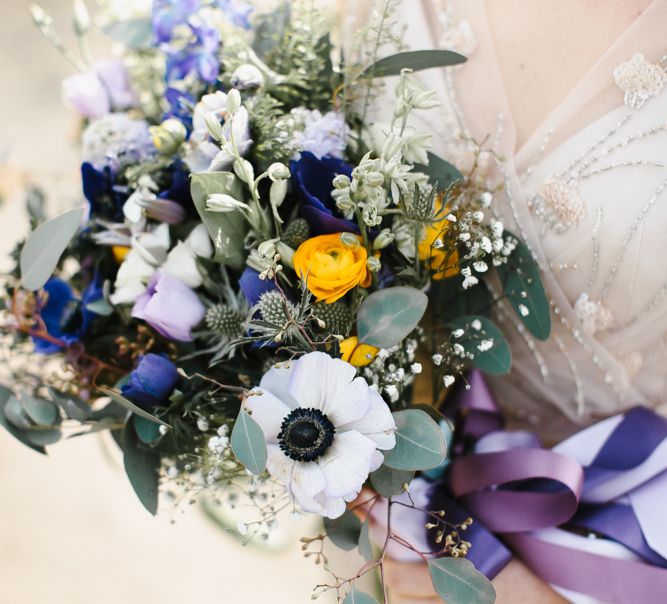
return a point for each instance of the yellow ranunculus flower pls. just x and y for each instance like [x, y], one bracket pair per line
[331, 267]
[119, 252]
[438, 256]
[357, 354]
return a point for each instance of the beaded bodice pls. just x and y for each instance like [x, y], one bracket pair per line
[587, 194]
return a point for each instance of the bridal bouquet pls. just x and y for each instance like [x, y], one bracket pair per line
[261, 274]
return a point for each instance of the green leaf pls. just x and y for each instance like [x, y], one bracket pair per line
[522, 285]
[439, 171]
[226, 229]
[43, 248]
[415, 60]
[420, 444]
[354, 596]
[147, 431]
[248, 443]
[40, 411]
[497, 360]
[365, 548]
[133, 33]
[130, 406]
[41, 437]
[457, 581]
[5, 396]
[449, 300]
[344, 531]
[74, 407]
[16, 414]
[100, 307]
[142, 467]
[389, 482]
[387, 316]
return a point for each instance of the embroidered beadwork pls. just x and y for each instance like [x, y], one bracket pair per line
[639, 79]
[594, 316]
[558, 205]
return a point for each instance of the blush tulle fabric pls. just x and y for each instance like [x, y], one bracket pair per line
[602, 157]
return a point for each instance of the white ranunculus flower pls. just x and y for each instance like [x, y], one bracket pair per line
[324, 429]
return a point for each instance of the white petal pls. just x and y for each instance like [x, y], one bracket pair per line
[199, 242]
[327, 384]
[307, 482]
[276, 381]
[376, 461]
[334, 507]
[182, 264]
[347, 463]
[378, 424]
[278, 464]
[268, 411]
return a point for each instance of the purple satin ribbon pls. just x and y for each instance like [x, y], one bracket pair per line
[512, 487]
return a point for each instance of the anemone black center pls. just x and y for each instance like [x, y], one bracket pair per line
[306, 434]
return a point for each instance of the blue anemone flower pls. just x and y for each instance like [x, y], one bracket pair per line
[152, 382]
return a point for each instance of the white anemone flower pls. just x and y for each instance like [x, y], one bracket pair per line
[324, 428]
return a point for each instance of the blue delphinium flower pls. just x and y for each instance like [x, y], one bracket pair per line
[64, 316]
[152, 382]
[168, 14]
[237, 12]
[313, 178]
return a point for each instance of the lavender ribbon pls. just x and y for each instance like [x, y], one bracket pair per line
[609, 479]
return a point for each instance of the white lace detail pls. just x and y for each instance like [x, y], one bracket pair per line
[454, 35]
[633, 363]
[558, 205]
[594, 316]
[639, 79]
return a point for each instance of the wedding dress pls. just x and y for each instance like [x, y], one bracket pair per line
[587, 193]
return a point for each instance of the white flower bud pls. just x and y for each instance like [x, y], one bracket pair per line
[221, 202]
[244, 170]
[233, 102]
[385, 238]
[213, 125]
[278, 171]
[341, 181]
[168, 136]
[266, 251]
[373, 264]
[246, 77]
[277, 192]
[349, 239]
[81, 18]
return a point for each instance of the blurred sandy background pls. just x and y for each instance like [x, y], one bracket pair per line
[71, 529]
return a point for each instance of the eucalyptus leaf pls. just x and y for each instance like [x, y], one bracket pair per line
[355, 596]
[389, 482]
[449, 300]
[387, 316]
[40, 411]
[497, 360]
[41, 437]
[420, 443]
[365, 548]
[457, 581]
[73, 407]
[5, 396]
[100, 307]
[227, 229]
[522, 284]
[130, 406]
[43, 248]
[248, 443]
[344, 531]
[134, 33]
[439, 171]
[147, 431]
[16, 414]
[142, 467]
[415, 60]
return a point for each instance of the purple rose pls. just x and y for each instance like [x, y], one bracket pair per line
[170, 307]
[152, 382]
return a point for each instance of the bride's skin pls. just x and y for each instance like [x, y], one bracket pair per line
[543, 47]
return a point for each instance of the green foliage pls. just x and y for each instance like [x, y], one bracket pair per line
[420, 443]
[450, 301]
[148, 431]
[497, 360]
[522, 285]
[354, 596]
[387, 316]
[344, 531]
[272, 138]
[389, 482]
[228, 229]
[248, 443]
[130, 406]
[439, 172]
[42, 250]
[134, 33]
[457, 581]
[365, 547]
[416, 60]
[142, 467]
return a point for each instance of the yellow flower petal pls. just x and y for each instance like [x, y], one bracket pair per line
[357, 354]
